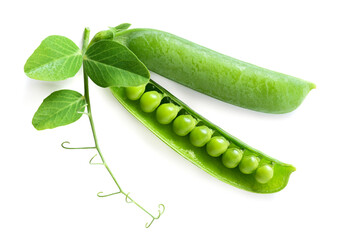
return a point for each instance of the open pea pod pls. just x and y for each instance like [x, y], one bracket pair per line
[199, 155]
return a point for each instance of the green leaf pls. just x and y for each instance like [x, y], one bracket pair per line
[122, 26]
[60, 108]
[102, 35]
[57, 58]
[110, 64]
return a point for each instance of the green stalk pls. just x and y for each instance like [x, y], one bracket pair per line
[90, 116]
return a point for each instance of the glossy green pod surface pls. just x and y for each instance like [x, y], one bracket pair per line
[198, 155]
[217, 75]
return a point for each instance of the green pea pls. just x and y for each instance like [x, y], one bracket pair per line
[166, 113]
[264, 173]
[183, 125]
[248, 164]
[200, 135]
[217, 146]
[150, 101]
[232, 157]
[134, 93]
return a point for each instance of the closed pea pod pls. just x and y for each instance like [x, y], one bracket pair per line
[198, 155]
[217, 75]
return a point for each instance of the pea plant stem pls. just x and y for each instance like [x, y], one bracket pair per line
[90, 117]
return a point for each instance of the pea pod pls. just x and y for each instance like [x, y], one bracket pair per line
[276, 179]
[217, 75]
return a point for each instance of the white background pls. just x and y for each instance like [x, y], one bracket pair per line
[47, 192]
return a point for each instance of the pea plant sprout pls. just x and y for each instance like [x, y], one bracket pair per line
[106, 62]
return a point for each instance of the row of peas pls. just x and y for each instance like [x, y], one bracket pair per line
[199, 136]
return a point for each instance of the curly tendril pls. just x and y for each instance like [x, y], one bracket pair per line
[85, 113]
[92, 163]
[130, 200]
[100, 194]
[72, 148]
[160, 212]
